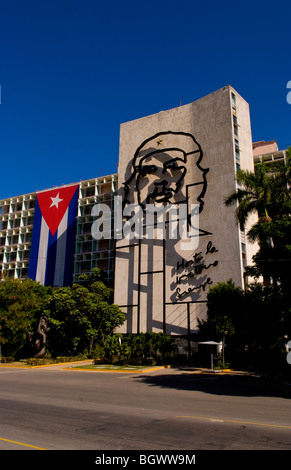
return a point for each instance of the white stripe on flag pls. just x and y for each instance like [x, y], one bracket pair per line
[42, 252]
[61, 251]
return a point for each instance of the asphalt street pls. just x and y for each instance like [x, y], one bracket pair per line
[165, 409]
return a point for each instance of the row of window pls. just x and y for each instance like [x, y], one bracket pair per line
[13, 256]
[16, 223]
[92, 246]
[103, 188]
[237, 157]
[19, 273]
[17, 207]
[15, 239]
[235, 131]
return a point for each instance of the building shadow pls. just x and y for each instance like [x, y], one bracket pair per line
[228, 384]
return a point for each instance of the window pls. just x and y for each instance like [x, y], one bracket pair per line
[12, 257]
[24, 272]
[87, 247]
[27, 237]
[85, 266]
[87, 228]
[87, 209]
[25, 255]
[17, 207]
[235, 125]
[237, 151]
[14, 239]
[243, 249]
[103, 245]
[89, 191]
[233, 100]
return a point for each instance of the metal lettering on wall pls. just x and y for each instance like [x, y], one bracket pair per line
[194, 267]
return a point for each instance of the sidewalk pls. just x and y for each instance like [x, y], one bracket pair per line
[59, 365]
[111, 368]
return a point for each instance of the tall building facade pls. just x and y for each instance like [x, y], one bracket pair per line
[185, 158]
[17, 223]
[189, 156]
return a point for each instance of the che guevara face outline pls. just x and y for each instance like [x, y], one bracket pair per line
[169, 174]
[168, 165]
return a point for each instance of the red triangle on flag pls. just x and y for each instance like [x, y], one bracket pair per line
[53, 205]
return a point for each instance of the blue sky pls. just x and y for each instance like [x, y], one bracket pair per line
[72, 70]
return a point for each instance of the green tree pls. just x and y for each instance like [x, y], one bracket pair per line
[265, 328]
[252, 196]
[266, 192]
[273, 259]
[22, 303]
[224, 309]
[251, 321]
[82, 315]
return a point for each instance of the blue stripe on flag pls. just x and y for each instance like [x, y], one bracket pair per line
[51, 259]
[33, 258]
[70, 248]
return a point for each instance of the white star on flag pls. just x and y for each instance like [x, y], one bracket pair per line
[56, 200]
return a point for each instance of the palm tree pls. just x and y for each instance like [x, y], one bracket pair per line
[266, 192]
[253, 195]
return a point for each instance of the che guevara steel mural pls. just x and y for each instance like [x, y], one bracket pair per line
[167, 169]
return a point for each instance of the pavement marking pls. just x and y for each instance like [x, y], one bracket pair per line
[21, 444]
[127, 371]
[76, 369]
[236, 422]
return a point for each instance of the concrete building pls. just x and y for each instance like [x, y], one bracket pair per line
[161, 285]
[268, 151]
[182, 156]
[16, 229]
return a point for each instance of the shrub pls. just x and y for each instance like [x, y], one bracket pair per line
[143, 348]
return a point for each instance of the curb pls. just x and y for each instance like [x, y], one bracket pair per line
[141, 371]
[38, 367]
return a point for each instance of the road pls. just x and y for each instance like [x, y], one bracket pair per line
[166, 409]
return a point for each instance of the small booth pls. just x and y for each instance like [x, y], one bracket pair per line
[211, 344]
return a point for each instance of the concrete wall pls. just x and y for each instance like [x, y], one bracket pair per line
[262, 147]
[172, 295]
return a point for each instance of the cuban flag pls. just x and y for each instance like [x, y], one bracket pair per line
[53, 236]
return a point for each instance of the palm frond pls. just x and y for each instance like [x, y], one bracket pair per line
[245, 208]
[236, 196]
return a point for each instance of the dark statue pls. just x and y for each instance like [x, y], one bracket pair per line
[37, 339]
